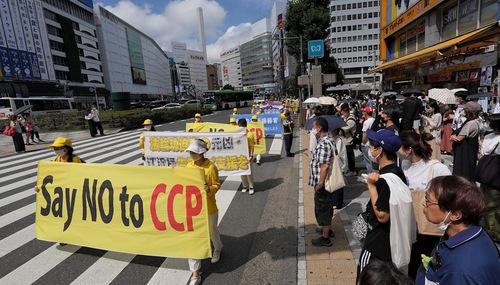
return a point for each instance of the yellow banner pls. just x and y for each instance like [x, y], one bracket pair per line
[159, 211]
[255, 127]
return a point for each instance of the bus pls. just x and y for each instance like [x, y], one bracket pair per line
[34, 105]
[226, 99]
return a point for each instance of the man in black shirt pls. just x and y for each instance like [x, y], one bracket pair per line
[383, 147]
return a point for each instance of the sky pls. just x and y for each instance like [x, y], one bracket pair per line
[227, 22]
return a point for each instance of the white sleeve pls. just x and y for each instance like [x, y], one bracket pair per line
[440, 170]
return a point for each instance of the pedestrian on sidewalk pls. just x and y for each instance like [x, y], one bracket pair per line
[365, 145]
[339, 142]
[90, 122]
[288, 134]
[320, 163]
[247, 180]
[17, 138]
[197, 149]
[383, 146]
[94, 115]
[349, 132]
[465, 254]
[34, 128]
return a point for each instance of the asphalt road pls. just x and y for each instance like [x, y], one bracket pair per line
[259, 232]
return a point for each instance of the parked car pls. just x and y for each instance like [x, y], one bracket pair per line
[168, 106]
[193, 103]
[158, 103]
[136, 105]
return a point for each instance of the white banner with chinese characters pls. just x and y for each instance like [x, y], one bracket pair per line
[227, 150]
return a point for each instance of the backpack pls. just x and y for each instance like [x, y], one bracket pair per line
[357, 138]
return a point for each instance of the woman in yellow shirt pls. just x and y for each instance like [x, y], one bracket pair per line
[196, 149]
[148, 126]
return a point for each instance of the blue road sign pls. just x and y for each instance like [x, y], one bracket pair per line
[315, 48]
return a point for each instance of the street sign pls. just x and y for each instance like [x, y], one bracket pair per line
[315, 48]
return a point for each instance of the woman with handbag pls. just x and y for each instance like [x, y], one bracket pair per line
[419, 169]
[17, 138]
[488, 170]
[432, 125]
[466, 143]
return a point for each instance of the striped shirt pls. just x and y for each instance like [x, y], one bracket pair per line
[322, 154]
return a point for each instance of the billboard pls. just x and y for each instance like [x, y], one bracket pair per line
[136, 57]
[28, 36]
[37, 41]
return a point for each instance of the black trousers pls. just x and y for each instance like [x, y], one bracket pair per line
[99, 127]
[18, 142]
[288, 142]
[92, 129]
[351, 162]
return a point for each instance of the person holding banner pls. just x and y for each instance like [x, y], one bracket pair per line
[232, 121]
[247, 180]
[255, 119]
[197, 118]
[235, 111]
[148, 126]
[196, 149]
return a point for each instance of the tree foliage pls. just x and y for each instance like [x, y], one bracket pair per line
[311, 19]
[228, 87]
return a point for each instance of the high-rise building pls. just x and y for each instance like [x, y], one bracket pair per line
[354, 38]
[132, 61]
[231, 67]
[213, 76]
[190, 68]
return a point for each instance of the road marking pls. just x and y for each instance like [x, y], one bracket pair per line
[18, 214]
[16, 240]
[39, 265]
[276, 145]
[164, 274]
[105, 269]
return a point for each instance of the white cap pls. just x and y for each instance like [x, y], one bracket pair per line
[198, 146]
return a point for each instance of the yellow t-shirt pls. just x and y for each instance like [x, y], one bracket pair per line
[212, 179]
[141, 143]
[76, 159]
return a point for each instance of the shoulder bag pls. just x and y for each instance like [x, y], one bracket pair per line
[334, 178]
[488, 169]
[9, 131]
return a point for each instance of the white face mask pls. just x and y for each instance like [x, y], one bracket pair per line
[442, 226]
[148, 128]
[197, 119]
[195, 156]
[373, 159]
[60, 152]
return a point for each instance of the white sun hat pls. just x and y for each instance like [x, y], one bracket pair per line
[198, 146]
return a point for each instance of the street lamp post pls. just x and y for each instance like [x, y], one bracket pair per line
[94, 89]
[374, 52]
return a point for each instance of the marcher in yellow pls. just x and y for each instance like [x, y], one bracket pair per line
[197, 118]
[196, 149]
[235, 111]
[247, 180]
[148, 126]
[253, 109]
[255, 119]
[261, 111]
[232, 121]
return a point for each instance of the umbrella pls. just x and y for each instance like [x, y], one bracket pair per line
[334, 122]
[325, 100]
[385, 94]
[312, 100]
[480, 95]
[412, 91]
[459, 90]
[23, 109]
[443, 95]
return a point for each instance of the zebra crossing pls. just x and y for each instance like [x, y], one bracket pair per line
[26, 260]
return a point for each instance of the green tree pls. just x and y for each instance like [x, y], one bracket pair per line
[291, 87]
[228, 87]
[311, 19]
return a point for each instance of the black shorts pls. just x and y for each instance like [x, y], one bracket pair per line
[323, 207]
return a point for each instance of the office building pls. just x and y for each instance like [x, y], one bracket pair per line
[354, 38]
[231, 67]
[132, 61]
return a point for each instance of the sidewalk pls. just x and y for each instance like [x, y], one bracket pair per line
[7, 145]
[336, 264]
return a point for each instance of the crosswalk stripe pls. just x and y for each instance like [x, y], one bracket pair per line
[105, 269]
[16, 215]
[36, 267]
[276, 145]
[163, 273]
[16, 240]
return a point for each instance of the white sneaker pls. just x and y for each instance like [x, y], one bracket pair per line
[215, 256]
[244, 190]
[251, 191]
[195, 280]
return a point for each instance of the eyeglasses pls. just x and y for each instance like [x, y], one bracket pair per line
[429, 202]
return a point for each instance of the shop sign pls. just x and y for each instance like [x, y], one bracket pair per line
[442, 77]
[407, 17]
[456, 67]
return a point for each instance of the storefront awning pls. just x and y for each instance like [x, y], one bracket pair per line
[432, 50]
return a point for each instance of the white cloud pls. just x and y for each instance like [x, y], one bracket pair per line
[178, 21]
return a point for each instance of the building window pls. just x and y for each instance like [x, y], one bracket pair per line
[349, 60]
[348, 6]
[365, 48]
[349, 39]
[348, 17]
[370, 26]
[343, 6]
[349, 49]
[370, 4]
[343, 17]
[370, 15]
[365, 15]
[344, 50]
[364, 58]
[365, 4]
[354, 49]
[354, 59]
[375, 25]
[354, 16]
